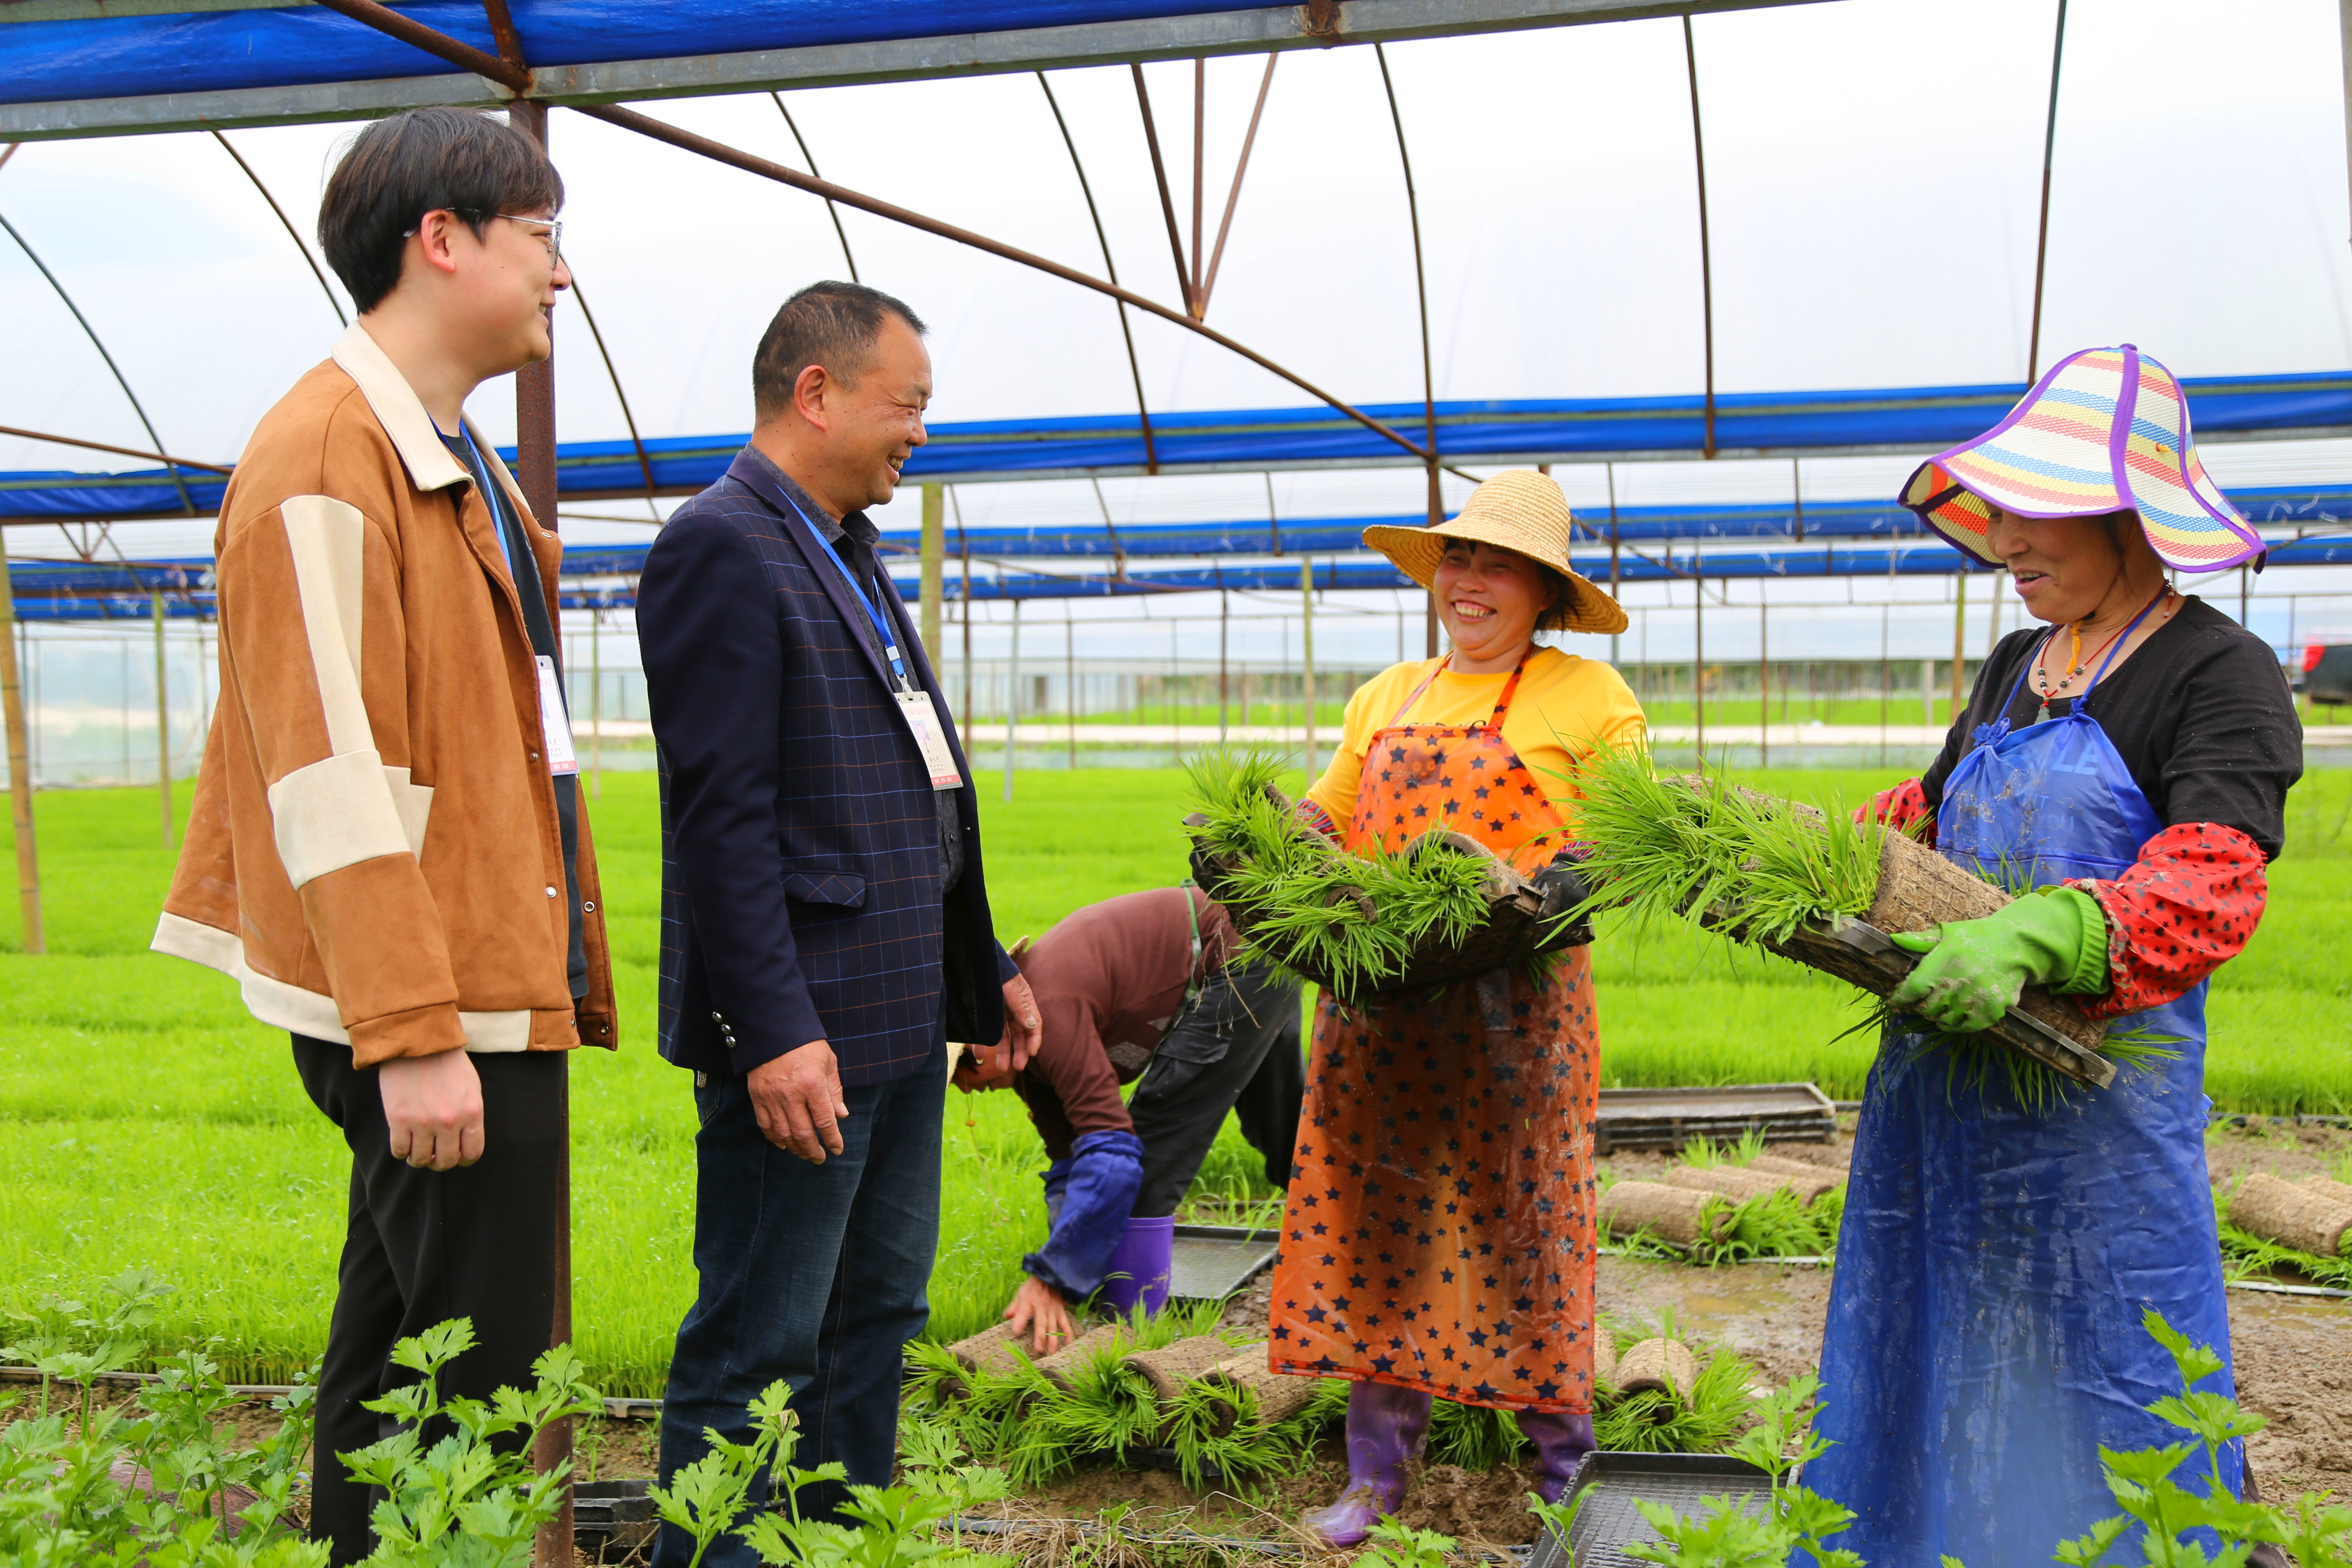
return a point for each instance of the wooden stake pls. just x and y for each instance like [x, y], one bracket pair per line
[20, 771]
[935, 545]
[1306, 634]
[163, 723]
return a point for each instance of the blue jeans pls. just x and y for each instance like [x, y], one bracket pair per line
[815, 1274]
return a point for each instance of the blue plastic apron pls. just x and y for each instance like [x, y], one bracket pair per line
[1984, 1333]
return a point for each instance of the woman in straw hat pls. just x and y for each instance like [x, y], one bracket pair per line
[1438, 1239]
[2131, 763]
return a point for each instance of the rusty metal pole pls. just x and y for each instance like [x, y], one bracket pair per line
[535, 471]
[20, 771]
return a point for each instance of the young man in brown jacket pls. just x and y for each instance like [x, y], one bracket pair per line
[386, 849]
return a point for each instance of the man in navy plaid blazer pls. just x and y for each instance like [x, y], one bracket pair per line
[826, 928]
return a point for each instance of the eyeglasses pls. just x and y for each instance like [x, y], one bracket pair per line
[554, 227]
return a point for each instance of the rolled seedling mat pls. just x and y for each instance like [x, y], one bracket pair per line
[1512, 931]
[1667, 1365]
[1800, 1172]
[2329, 1186]
[1280, 1395]
[1742, 1185]
[986, 1354]
[1670, 1214]
[2278, 1210]
[1917, 889]
[1604, 1356]
[1171, 1367]
[1063, 1364]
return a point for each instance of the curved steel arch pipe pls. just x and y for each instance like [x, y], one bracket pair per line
[292, 232]
[644, 463]
[1134, 365]
[513, 76]
[146, 424]
[752, 163]
[809, 159]
[1420, 287]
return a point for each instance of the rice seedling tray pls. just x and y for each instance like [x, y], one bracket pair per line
[1669, 1118]
[1210, 1262]
[1612, 1484]
[611, 1519]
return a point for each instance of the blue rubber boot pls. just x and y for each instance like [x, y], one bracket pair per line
[1140, 1267]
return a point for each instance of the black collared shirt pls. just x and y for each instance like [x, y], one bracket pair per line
[854, 538]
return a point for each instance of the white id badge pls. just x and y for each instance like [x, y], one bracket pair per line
[555, 739]
[924, 720]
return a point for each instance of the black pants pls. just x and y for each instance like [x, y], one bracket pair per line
[1235, 1050]
[422, 1247]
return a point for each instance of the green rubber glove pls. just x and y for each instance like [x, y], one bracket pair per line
[1974, 970]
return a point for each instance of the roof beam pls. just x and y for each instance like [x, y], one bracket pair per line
[1254, 31]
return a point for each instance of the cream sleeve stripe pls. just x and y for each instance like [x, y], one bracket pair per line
[347, 808]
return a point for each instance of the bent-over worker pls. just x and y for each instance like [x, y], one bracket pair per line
[1146, 985]
[2131, 763]
[1439, 1234]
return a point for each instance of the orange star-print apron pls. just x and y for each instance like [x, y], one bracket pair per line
[1438, 1234]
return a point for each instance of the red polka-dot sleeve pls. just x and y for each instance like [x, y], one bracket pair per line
[1903, 808]
[2185, 908]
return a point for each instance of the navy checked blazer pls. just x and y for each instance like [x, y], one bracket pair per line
[801, 876]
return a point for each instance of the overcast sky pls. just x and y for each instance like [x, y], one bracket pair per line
[1872, 165]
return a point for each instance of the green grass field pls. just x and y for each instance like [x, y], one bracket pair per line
[145, 1118]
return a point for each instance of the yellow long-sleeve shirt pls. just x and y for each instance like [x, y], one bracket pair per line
[1565, 706]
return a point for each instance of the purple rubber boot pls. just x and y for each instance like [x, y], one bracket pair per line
[1386, 1427]
[1140, 1267]
[1561, 1441]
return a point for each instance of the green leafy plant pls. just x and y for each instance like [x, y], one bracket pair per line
[470, 1497]
[164, 1481]
[1729, 1533]
[1398, 1545]
[1701, 1419]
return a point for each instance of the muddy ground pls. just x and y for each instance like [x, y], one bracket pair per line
[2293, 1354]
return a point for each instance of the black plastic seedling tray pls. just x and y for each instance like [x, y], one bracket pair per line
[1613, 1483]
[1667, 1118]
[1210, 1262]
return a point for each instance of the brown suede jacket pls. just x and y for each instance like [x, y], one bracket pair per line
[373, 852]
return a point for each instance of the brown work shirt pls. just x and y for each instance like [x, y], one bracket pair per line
[1109, 979]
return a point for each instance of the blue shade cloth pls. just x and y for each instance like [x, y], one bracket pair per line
[1089, 1196]
[131, 57]
[1984, 1335]
[1787, 423]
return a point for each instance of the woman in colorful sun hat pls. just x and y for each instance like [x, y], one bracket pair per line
[2131, 763]
[1438, 1239]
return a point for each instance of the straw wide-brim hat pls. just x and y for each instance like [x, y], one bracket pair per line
[2105, 431]
[1517, 509]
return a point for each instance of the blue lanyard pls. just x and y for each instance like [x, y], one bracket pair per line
[889, 642]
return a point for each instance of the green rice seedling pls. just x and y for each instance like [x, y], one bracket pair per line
[1473, 1436]
[1979, 1063]
[1705, 1155]
[1241, 1454]
[1703, 1419]
[2248, 1255]
[1354, 921]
